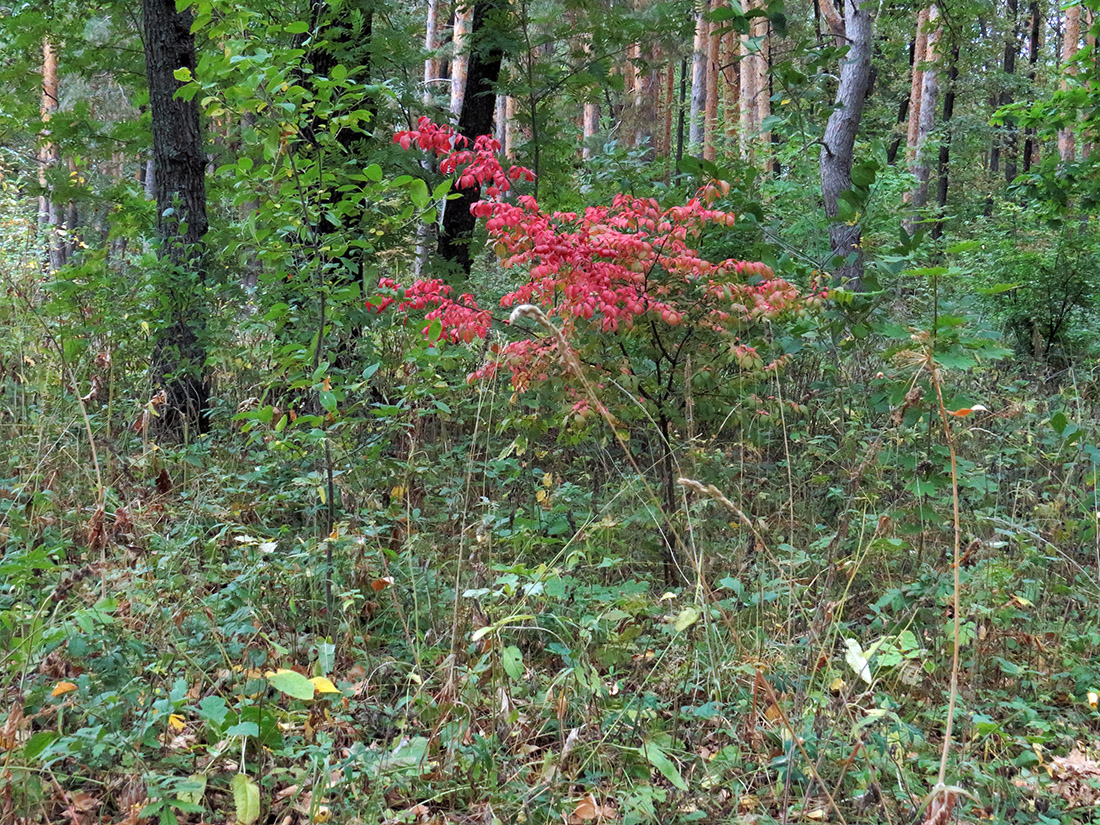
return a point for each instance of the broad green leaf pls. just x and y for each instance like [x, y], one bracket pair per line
[193, 790]
[291, 683]
[38, 743]
[243, 729]
[246, 799]
[659, 759]
[688, 616]
[511, 658]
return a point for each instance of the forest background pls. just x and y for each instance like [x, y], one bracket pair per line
[549, 410]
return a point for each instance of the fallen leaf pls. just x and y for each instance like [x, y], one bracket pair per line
[61, 688]
[323, 685]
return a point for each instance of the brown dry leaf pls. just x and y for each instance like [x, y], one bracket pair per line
[84, 802]
[939, 812]
[772, 713]
[164, 482]
[1076, 779]
[589, 810]
[381, 583]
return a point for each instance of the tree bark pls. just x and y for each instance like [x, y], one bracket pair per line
[460, 62]
[49, 156]
[710, 120]
[731, 87]
[748, 91]
[920, 55]
[484, 59]
[837, 145]
[179, 186]
[1070, 42]
[699, 78]
[431, 46]
[927, 121]
[1030, 144]
[1008, 64]
[945, 144]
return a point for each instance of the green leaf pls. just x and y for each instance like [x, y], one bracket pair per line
[688, 616]
[182, 74]
[659, 759]
[297, 27]
[997, 289]
[418, 192]
[291, 683]
[38, 743]
[511, 658]
[1058, 422]
[213, 709]
[244, 729]
[246, 799]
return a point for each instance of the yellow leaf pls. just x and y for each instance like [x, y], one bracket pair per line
[397, 492]
[323, 685]
[547, 480]
[540, 496]
[176, 722]
[61, 688]
[837, 685]
[1094, 697]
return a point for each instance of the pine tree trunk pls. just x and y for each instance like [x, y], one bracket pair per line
[699, 78]
[49, 156]
[1008, 64]
[1070, 42]
[929, 94]
[748, 91]
[484, 58]
[731, 88]
[710, 119]
[179, 186]
[761, 28]
[920, 55]
[838, 143]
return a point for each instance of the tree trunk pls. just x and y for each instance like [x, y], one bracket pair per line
[485, 55]
[460, 62]
[920, 54]
[1070, 42]
[49, 156]
[748, 91]
[1008, 64]
[682, 104]
[710, 120]
[839, 142]
[731, 87]
[180, 189]
[929, 93]
[646, 87]
[699, 78]
[431, 46]
[665, 149]
[945, 144]
[761, 31]
[1030, 144]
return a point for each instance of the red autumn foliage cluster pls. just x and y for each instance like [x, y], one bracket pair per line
[608, 269]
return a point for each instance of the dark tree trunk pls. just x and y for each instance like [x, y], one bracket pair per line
[1012, 42]
[486, 55]
[903, 112]
[179, 187]
[839, 141]
[1032, 60]
[680, 111]
[945, 144]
